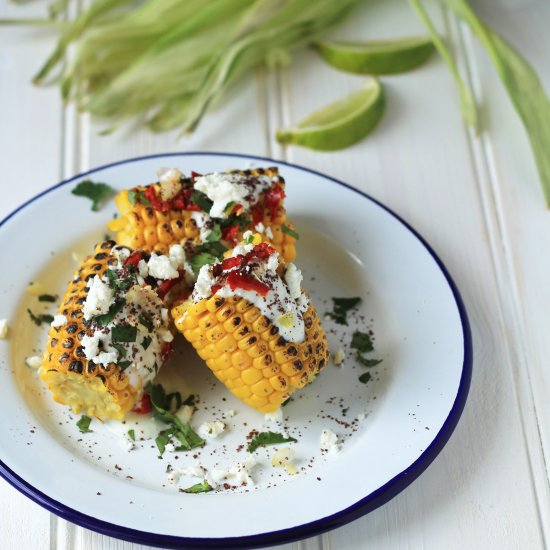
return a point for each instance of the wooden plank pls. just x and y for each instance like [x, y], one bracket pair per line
[29, 142]
[520, 222]
[419, 163]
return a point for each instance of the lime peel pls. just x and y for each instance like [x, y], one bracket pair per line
[377, 57]
[341, 123]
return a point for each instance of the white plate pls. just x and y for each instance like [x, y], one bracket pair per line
[350, 246]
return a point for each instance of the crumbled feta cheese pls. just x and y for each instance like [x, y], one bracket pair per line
[170, 184]
[59, 321]
[121, 253]
[169, 447]
[204, 224]
[177, 255]
[361, 416]
[329, 441]
[164, 316]
[161, 267]
[204, 283]
[339, 357]
[165, 334]
[247, 235]
[241, 472]
[195, 470]
[293, 278]
[273, 262]
[212, 429]
[34, 362]
[99, 299]
[223, 188]
[143, 269]
[90, 345]
[275, 416]
[106, 357]
[230, 413]
[185, 413]
[268, 232]
[3, 328]
[259, 227]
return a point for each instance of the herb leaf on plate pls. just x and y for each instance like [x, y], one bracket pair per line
[84, 424]
[98, 193]
[268, 438]
[203, 487]
[341, 307]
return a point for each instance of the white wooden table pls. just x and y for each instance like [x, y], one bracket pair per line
[479, 205]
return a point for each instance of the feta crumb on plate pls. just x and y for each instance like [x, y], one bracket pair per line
[34, 362]
[212, 429]
[339, 357]
[329, 441]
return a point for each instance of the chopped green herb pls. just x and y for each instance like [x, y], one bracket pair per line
[162, 439]
[268, 438]
[121, 350]
[341, 308]
[124, 333]
[201, 200]
[229, 208]
[41, 318]
[361, 341]
[216, 248]
[196, 262]
[123, 365]
[146, 342]
[203, 487]
[116, 283]
[215, 234]
[98, 193]
[365, 377]
[367, 362]
[47, 298]
[139, 197]
[146, 322]
[249, 239]
[132, 434]
[106, 237]
[288, 231]
[106, 318]
[181, 431]
[84, 424]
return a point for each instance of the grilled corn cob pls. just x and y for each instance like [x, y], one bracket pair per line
[257, 331]
[111, 333]
[178, 209]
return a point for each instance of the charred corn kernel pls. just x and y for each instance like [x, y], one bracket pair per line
[260, 367]
[103, 392]
[72, 366]
[142, 226]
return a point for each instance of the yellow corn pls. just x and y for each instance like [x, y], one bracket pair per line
[245, 352]
[142, 227]
[103, 392]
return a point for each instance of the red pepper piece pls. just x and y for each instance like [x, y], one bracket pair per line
[134, 259]
[257, 214]
[273, 198]
[231, 234]
[246, 282]
[217, 270]
[144, 406]
[230, 263]
[195, 174]
[166, 351]
[262, 251]
[215, 288]
[165, 287]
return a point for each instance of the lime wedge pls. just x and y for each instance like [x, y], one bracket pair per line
[341, 123]
[377, 56]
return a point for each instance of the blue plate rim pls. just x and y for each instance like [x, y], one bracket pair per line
[367, 504]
